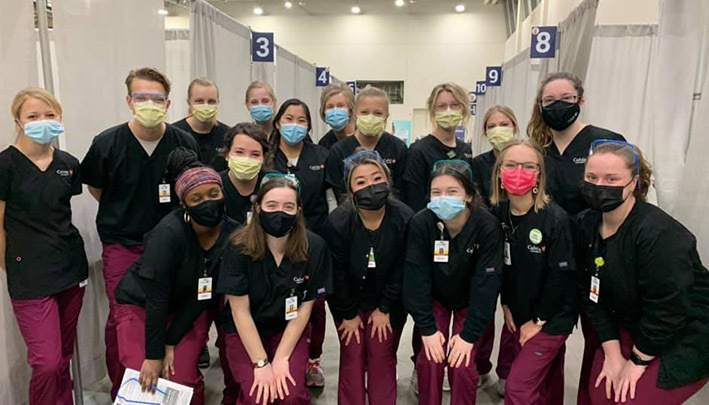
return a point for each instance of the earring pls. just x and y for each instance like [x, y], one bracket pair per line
[502, 185]
[186, 217]
[535, 190]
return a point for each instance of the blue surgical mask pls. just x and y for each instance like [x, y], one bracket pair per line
[293, 134]
[446, 208]
[337, 118]
[261, 113]
[43, 132]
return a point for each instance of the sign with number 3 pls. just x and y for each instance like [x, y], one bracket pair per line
[543, 42]
[262, 46]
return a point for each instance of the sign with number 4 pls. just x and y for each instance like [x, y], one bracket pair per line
[322, 76]
[262, 46]
[543, 42]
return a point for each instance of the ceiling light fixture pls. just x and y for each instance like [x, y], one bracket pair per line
[288, 4]
[400, 3]
[162, 11]
[258, 10]
[355, 9]
[460, 7]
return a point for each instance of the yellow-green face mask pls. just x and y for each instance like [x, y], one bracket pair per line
[204, 112]
[370, 125]
[499, 136]
[243, 168]
[149, 114]
[449, 119]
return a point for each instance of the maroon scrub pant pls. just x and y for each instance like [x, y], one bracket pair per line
[317, 327]
[130, 326]
[48, 326]
[509, 347]
[242, 367]
[116, 260]
[378, 359]
[230, 393]
[591, 343]
[646, 391]
[537, 373]
[463, 380]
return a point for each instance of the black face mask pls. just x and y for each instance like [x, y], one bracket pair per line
[372, 197]
[276, 223]
[209, 213]
[560, 115]
[603, 198]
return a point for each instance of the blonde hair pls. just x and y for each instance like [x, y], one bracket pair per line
[504, 110]
[202, 81]
[498, 195]
[371, 91]
[37, 93]
[644, 172]
[258, 84]
[537, 129]
[459, 94]
[333, 89]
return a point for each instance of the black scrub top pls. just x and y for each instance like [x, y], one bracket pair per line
[392, 150]
[268, 285]
[471, 278]
[482, 174]
[356, 286]
[328, 140]
[164, 280]
[129, 179]
[652, 284]
[565, 171]
[238, 207]
[310, 172]
[44, 252]
[419, 164]
[211, 144]
[539, 279]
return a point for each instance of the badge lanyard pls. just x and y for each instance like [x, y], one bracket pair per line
[164, 192]
[204, 284]
[291, 306]
[441, 247]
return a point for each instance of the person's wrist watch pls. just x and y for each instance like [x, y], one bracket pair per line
[637, 360]
[538, 321]
[261, 363]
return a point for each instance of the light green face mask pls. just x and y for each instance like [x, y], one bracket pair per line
[149, 114]
[499, 136]
[204, 112]
[243, 168]
[449, 118]
[370, 125]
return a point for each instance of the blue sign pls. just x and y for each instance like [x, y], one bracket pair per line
[353, 87]
[262, 46]
[322, 76]
[480, 88]
[543, 42]
[474, 109]
[473, 97]
[493, 76]
[460, 133]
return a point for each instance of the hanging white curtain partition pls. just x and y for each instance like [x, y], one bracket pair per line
[177, 68]
[220, 50]
[308, 93]
[285, 74]
[576, 35]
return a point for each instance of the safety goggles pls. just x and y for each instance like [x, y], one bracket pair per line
[156, 98]
[271, 176]
[595, 144]
[456, 164]
[358, 158]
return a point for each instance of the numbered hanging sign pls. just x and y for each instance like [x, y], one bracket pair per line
[262, 46]
[474, 109]
[493, 76]
[353, 87]
[543, 42]
[472, 97]
[480, 88]
[322, 76]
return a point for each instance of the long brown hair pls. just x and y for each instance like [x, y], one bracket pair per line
[252, 238]
[498, 194]
[536, 128]
[644, 172]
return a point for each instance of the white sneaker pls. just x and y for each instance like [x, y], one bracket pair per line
[415, 382]
[446, 383]
[484, 380]
[501, 387]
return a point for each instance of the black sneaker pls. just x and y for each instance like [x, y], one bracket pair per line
[203, 361]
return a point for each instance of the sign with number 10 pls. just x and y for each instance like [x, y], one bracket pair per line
[543, 42]
[262, 46]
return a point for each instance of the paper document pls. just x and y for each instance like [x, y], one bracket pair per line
[166, 392]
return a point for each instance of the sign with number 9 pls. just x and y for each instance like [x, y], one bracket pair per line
[493, 76]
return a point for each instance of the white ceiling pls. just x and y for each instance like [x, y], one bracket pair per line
[336, 7]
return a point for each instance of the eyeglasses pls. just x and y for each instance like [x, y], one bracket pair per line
[272, 176]
[457, 164]
[569, 98]
[443, 107]
[358, 158]
[156, 98]
[526, 166]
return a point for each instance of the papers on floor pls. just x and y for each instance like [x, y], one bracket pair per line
[166, 392]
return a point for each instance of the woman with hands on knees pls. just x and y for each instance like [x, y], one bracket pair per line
[163, 317]
[273, 271]
[539, 295]
[452, 273]
[367, 237]
[644, 287]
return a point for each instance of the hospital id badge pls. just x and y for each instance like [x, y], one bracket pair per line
[371, 262]
[249, 215]
[164, 193]
[595, 289]
[440, 251]
[291, 308]
[508, 255]
[204, 288]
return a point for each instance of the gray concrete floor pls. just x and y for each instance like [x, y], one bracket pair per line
[98, 393]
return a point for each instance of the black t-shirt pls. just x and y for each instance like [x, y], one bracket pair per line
[44, 252]
[565, 171]
[470, 279]
[268, 286]
[238, 207]
[356, 286]
[130, 181]
[165, 279]
[310, 172]
[653, 284]
[482, 174]
[329, 139]
[539, 278]
[419, 164]
[211, 144]
[392, 150]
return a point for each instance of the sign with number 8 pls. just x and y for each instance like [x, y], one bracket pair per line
[543, 42]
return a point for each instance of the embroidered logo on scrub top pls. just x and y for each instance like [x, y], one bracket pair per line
[298, 280]
[535, 236]
[317, 167]
[534, 249]
[390, 161]
[65, 173]
[580, 160]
